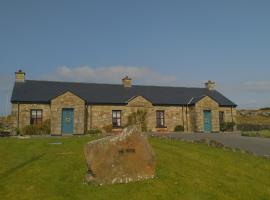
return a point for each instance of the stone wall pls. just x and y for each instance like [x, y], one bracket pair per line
[206, 103]
[24, 113]
[101, 115]
[229, 114]
[88, 117]
[68, 100]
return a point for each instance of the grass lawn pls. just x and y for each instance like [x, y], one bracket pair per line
[34, 169]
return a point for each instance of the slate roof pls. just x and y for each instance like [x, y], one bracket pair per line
[32, 91]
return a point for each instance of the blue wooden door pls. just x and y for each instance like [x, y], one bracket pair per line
[207, 121]
[67, 120]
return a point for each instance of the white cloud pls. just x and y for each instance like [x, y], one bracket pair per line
[113, 74]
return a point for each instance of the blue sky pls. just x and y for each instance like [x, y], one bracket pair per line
[161, 42]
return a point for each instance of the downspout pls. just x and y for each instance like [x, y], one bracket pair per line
[18, 116]
[187, 110]
[183, 120]
[90, 117]
[86, 118]
[232, 118]
[232, 114]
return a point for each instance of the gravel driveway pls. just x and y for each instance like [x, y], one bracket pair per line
[259, 146]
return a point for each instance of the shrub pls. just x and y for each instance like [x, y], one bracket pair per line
[179, 128]
[30, 130]
[139, 119]
[227, 126]
[263, 133]
[94, 131]
[37, 129]
[252, 127]
[17, 131]
[265, 108]
[45, 128]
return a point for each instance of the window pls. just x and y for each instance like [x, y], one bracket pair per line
[116, 118]
[160, 118]
[36, 117]
[221, 117]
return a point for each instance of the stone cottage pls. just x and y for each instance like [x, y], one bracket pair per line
[74, 108]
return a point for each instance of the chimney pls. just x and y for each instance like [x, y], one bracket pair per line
[210, 85]
[127, 82]
[20, 76]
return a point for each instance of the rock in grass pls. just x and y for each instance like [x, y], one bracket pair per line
[120, 159]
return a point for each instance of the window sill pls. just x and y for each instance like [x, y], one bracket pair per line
[161, 129]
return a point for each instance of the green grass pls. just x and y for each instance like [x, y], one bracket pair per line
[263, 133]
[35, 169]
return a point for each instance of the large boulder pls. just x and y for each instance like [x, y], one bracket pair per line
[120, 159]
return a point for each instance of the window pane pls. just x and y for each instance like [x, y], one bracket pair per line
[162, 122]
[39, 113]
[114, 114]
[118, 122]
[33, 112]
[114, 122]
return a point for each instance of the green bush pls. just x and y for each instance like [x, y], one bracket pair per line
[30, 130]
[94, 131]
[179, 128]
[227, 126]
[37, 129]
[252, 127]
[18, 131]
[263, 133]
[45, 128]
[139, 119]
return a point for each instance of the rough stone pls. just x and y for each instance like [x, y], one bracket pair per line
[120, 159]
[87, 117]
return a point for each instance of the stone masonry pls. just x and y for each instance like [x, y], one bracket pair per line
[88, 117]
[67, 100]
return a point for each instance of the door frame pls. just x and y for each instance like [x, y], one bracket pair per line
[210, 120]
[62, 123]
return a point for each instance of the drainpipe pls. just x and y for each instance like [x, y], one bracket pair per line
[187, 110]
[86, 118]
[232, 114]
[90, 118]
[183, 121]
[18, 116]
[232, 117]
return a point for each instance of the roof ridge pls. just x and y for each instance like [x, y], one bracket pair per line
[161, 86]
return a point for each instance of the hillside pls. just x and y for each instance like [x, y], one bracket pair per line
[260, 116]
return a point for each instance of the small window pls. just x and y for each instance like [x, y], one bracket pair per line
[221, 117]
[160, 118]
[116, 118]
[36, 116]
